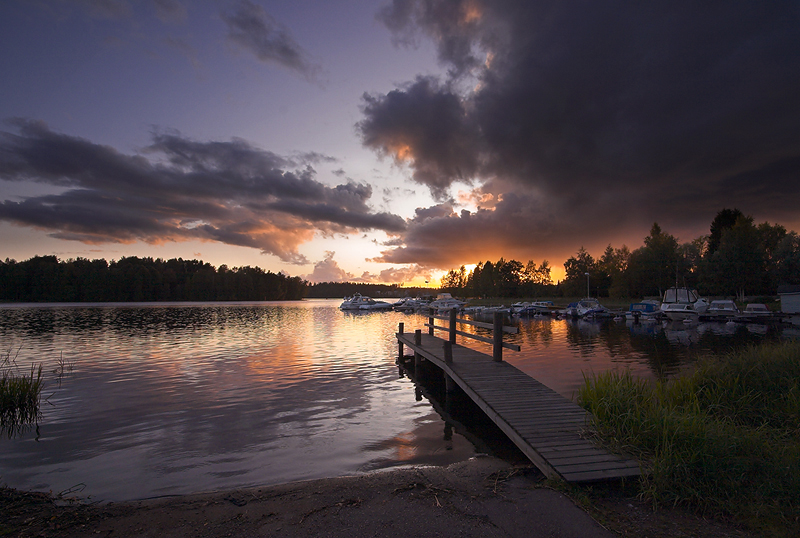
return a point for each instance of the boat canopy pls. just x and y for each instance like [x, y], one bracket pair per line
[680, 295]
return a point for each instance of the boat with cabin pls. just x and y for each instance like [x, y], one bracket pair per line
[721, 310]
[755, 312]
[445, 301]
[535, 308]
[683, 304]
[362, 302]
[644, 311]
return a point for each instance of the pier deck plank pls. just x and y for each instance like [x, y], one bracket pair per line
[543, 424]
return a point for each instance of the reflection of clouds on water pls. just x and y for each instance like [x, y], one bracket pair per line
[175, 398]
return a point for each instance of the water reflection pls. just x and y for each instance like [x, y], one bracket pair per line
[170, 399]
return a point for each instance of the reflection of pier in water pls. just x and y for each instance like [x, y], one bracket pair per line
[544, 425]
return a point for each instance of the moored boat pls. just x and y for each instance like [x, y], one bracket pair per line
[675, 301]
[721, 310]
[755, 312]
[644, 311]
[445, 301]
[591, 308]
[680, 312]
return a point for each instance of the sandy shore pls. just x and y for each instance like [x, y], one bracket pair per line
[483, 497]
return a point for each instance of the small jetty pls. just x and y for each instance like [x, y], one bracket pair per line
[544, 425]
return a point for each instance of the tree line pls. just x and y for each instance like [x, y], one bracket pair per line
[133, 279]
[327, 290]
[737, 257]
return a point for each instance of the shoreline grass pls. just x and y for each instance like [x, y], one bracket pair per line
[723, 439]
[20, 395]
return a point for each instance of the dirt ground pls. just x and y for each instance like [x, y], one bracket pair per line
[483, 497]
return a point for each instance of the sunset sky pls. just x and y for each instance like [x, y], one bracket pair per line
[389, 141]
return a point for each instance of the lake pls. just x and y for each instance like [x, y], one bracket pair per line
[169, 399]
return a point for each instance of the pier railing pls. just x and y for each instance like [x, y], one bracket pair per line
[497, 328]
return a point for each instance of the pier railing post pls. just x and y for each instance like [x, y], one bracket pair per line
[448, 353]
[452, 326]
[430, 321]
[497, 337]
[400, 344]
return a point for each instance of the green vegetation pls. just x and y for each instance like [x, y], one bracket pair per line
[46, 279]
[20, 395]
[737, 257]
[724, 438]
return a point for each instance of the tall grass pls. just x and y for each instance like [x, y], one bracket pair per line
[20, 394]
[724, 438]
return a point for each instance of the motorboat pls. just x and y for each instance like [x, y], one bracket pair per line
[590, 308]
[755, 312]
[356, 302]
[721, 310]
[535, 308]
[410, 304]
[374, 306]
[644, 311]
[445, 301]
[675, 301]
[684, 295]
[680, 311]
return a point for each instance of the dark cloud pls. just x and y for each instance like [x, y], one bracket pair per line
[179, 189]
[255, 30]
[424, 125]
[667, 111]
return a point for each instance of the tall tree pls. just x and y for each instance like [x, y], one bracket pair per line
[576, 267]
[738, 263]
[724, 220]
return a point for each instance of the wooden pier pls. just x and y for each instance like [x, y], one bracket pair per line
[544, 425]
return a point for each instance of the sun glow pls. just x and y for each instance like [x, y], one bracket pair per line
[404, 153]
[471, 13]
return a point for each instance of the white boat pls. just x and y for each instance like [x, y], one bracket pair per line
[534, 308]
[355, 302]
[445, 301]
[590, 308]
[680, 311]
[755, 312]
[675, 301]
[721, 310]
[373, 306]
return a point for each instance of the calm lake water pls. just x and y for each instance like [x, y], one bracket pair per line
[168, 399]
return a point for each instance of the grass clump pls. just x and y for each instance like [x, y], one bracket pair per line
[20, 394]
[724, 439]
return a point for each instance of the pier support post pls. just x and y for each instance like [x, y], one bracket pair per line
[452, 326]
[449, 384]
[430, 321]
[417, 356]
[497, 337]
[400, 344]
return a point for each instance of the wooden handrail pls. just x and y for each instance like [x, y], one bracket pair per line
[497, 329]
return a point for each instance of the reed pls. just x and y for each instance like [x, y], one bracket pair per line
[20, 394]
[724, 439]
